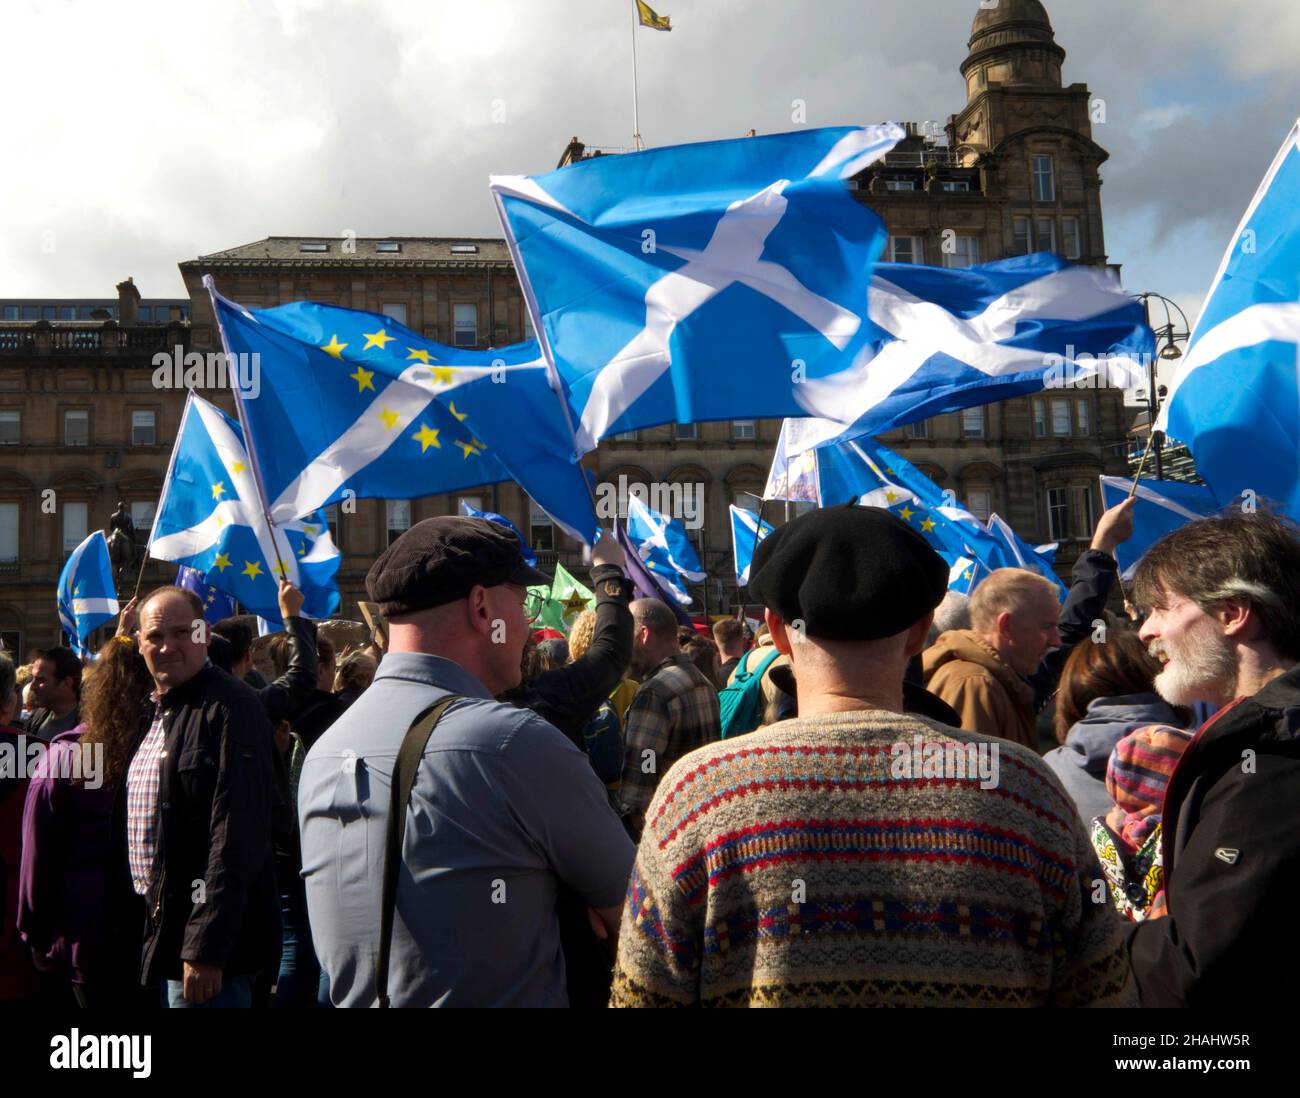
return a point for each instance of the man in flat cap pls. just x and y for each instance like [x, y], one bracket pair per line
[503, 806]
[857, 855]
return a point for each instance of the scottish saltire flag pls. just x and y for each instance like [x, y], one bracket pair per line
[943, 339]
[964, 573]
[644, 583]
[87, 594]
[217, 606]
[210, 519]
[662, 546]
[1018, 553]
[530, 558]
[1235, 400]
[792, 477]
[697, 282]
[356, 402]
[1161, 507]
[747, 530]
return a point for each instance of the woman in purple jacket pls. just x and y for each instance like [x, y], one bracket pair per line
[62, 912]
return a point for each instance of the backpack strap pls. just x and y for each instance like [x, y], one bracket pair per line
[743, 676]
[403, 782]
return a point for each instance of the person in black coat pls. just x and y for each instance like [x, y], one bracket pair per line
[1222, 597]
[192, 821]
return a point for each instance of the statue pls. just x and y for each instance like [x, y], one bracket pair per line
[123, 553]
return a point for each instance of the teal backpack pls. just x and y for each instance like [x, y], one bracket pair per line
[741, 702]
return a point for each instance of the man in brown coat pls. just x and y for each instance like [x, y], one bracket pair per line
[1014, 615]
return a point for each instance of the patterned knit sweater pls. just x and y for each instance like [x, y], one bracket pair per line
[816, 863]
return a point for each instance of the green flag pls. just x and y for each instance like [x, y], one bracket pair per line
[556, 606]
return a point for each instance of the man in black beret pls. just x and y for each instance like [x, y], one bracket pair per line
[859, 855]
[504, 807]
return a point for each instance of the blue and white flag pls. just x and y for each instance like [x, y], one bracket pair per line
[217, 606]
[943, 339]
[1018, 553]
[747, 530]
[697, 282]
[210, 519]
[1235, 400]
[663, 547]
[353, 402]
[1160, 508]
[792, 478]
[530, 558]
[87, 594]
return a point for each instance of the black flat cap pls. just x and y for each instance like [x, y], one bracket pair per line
[440, 559]
[850, 573]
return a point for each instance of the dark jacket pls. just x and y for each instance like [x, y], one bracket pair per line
[1091, 579]
[1231, 850]
[215, 796]
[568, 697]
[295, 688]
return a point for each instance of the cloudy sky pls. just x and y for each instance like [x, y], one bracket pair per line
[142, 133]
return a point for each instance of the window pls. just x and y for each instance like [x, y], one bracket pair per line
[143, 429]
[1046, 234]
[1021, 227]
[387, 246]
[464, 249]
[1083, 413]
[1058, 514]
[979, 502]
[49, 312]
[965, 252]
[956, 186]
[1040, 419]
[76, 520]
[332, 521]
[399, 518]
[11, 427]
[749, 501]
[67, 312]
[474, 501]
[541, 530]
[900, 184]
[627, 436]
[745, 429]
[1061, 418]
[972, 422]
[83, 313]
[8, 533]
[142, 314]
[466, 324]
[76, 427]
[31, 312]
[11, 312]
[1044, 179]
[907, 249]
[1071, 248]
[142, 516]
[686, 432]
[313, 246]
[1081, 510]
[395, 310]
[920, 429]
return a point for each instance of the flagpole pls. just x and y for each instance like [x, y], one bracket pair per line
[211, 285]
[1142, 464]
[636, 107]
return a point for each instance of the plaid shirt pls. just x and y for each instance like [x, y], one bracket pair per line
[142, 780]
[674, 712]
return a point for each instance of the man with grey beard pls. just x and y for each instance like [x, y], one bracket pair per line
[1222, 599]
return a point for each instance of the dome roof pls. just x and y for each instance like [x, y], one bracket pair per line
[1012, 20]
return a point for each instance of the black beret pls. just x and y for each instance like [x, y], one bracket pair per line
[440, 559]
[849, 573]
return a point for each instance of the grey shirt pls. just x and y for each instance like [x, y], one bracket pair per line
[503, 807]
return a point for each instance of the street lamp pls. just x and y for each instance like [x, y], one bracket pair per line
[1167, 339]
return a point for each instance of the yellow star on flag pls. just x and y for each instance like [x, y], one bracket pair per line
[376, 339]
[302, 550]
[334, 347]
[574, 604]
[451, 407]
[966, 575]
[76, 591]
[443, 374]
[252, 569]
[471, 447]
[927, 525]
[420, 355]
[390, 418]
[310, 531]
[427, 436]
[282, 569]
[362, 378]
[906, 514]
[218, 489]
[238, 468]
[890, 495]
[221, 563]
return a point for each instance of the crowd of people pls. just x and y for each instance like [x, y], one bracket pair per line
[888, 794]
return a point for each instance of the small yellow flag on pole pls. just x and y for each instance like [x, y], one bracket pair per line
[649, 18]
